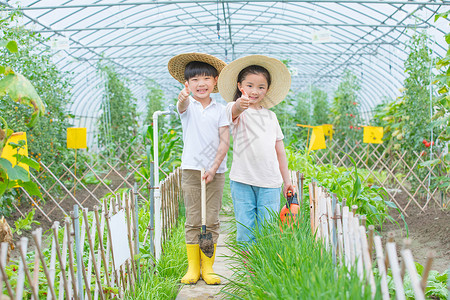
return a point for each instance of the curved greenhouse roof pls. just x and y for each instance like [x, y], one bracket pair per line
[321, 39]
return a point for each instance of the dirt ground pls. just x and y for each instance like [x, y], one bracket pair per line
[429, 230]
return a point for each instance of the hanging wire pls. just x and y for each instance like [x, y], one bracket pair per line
[218, 20]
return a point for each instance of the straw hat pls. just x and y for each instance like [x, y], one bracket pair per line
[279, 74]
[178, 63]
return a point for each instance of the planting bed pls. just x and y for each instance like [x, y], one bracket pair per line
[429, 230]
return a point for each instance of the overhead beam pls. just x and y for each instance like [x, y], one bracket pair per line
[122, 4]
[221, 53]
[268, 43]
[233, 24]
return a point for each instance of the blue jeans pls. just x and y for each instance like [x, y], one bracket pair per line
[251, 208]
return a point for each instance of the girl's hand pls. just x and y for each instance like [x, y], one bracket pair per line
[243, 102]
[287, 187]
[184, 94]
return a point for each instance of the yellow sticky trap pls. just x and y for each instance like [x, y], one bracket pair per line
[8, 151]
[76, 138]
[317, 139]
[328, 130]
[373, 135]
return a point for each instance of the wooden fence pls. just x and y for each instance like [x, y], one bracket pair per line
[79, 260]
[344, 232]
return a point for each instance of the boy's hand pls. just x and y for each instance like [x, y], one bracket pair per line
[243, 102]
[208, 176]
[184, 94]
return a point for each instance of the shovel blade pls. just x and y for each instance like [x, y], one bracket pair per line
[205, 241]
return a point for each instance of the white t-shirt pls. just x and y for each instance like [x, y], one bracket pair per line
[201, 135]
[255, 161]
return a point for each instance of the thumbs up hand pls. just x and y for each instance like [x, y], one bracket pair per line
[184, 94]
[243, 102]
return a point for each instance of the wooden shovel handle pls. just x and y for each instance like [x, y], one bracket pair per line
[203, 192]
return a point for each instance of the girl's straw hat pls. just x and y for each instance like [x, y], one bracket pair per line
[178, 63]
[279, 74]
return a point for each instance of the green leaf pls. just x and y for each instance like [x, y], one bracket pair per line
[12, 46]
[419, 268]
[390, 204]
[31, 188]
[430, 163]
[18, 173]
[28, 161]
[21, 90]
[2, 69]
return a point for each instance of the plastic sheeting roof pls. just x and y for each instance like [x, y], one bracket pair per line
[139, 38]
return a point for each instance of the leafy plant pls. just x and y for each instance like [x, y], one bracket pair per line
[345, 183]
[401, 116]
[24, 223]
[118, 122]
[344, 109]
[290, 264]
[155, 99]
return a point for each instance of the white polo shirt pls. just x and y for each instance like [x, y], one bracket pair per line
[201, 135]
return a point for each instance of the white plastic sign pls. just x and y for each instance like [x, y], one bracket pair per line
[119, 235]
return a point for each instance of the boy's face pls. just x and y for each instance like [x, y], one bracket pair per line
[201, 86]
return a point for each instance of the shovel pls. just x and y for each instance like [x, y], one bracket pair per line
[205, 240]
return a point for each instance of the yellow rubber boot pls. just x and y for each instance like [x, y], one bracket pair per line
[207, 268]
[193, 272]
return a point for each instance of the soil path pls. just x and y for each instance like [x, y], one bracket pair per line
[201, 290]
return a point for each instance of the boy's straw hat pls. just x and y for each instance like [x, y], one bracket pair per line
[178, 63]
[279, 74]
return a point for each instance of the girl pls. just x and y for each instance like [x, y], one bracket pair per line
[252, 85]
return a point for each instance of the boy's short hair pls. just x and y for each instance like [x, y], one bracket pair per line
[198, 68]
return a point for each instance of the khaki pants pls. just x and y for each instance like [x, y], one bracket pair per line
[191, 185]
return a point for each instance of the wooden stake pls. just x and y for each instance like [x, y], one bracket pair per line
[406, 245]
[36, 262]
[381, 268]
[370, 240]
[71, 260]
[395, 269]
[345, 230]
[20, 274]
[367, 260]
[62, 262]
[426, 270]
[91, 247]
[130, 235]
[100, 241]
[52, 270]
[108, 229]
[415, 282]
[3, 255]
[37, 238]
[354, 208]
[23, 252]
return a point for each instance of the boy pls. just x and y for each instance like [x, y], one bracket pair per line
[206, 142]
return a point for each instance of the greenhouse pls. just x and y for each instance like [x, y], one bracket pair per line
[301, 148]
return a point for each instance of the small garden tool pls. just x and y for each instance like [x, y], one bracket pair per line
[205, 240]
[291, 210]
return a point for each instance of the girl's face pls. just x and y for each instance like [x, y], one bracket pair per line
[255, 86]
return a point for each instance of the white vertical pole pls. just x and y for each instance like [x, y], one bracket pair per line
[157, 184]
